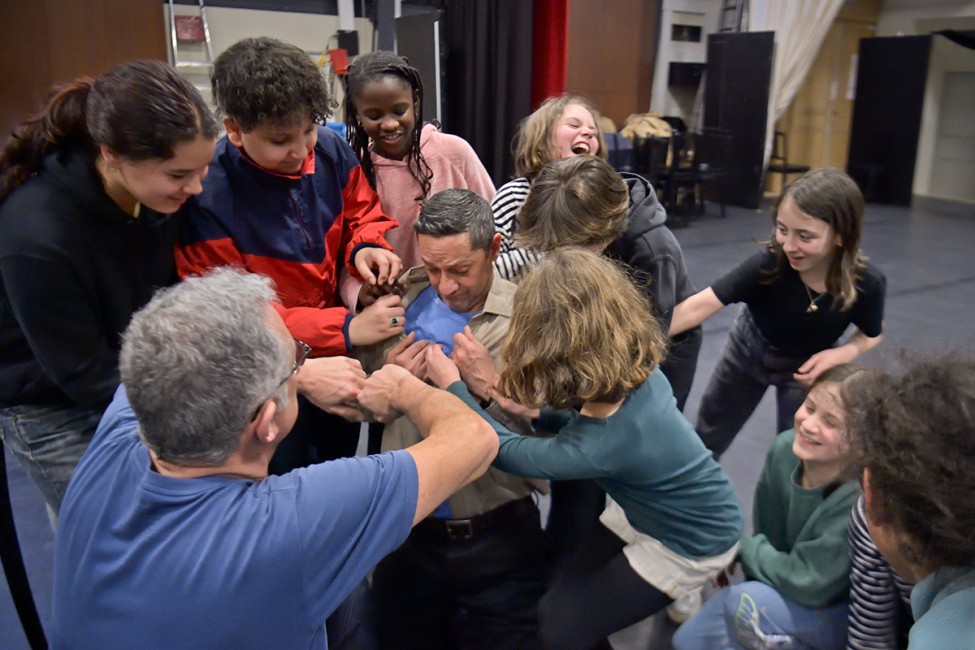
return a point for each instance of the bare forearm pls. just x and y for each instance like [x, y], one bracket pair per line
[693, 311]
[859, 343]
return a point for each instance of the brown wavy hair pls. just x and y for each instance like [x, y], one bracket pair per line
[830, 195]
[578, 201]
[533, 147]
[916, 434]
[580, 332]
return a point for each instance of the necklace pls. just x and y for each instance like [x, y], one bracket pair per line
[813, 307]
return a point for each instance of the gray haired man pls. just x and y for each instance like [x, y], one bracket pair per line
[173, 534]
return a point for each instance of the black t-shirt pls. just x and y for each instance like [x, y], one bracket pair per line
[779, 307]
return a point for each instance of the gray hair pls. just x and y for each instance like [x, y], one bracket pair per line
[455, 212]
[198, 360]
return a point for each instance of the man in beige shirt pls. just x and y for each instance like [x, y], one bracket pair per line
[471, 574]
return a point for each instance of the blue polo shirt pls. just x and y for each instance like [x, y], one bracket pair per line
[144, 560]
[433, 320]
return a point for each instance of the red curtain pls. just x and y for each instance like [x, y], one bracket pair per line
[550, 33]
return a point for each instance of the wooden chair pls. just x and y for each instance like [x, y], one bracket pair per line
[677, 185]
[650, 158]
[779, 160]
[712, 153]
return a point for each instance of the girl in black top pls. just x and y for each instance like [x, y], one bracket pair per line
[801, 293]
[88, 188]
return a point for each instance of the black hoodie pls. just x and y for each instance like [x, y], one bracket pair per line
[74, 268]
[649, 247]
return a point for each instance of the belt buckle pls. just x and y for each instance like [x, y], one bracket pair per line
[460, 529]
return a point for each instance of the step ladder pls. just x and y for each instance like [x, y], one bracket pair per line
[730, 19]
[188, 29]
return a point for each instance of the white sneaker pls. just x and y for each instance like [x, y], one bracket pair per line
[684, 607]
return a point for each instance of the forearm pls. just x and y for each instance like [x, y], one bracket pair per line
[813, 574]
[505, 206]
[364, 221]
[859, 343]
[515, 261]
[874, 599]
[349, 288]
[694, 311]
[531, 456]
[664, 286]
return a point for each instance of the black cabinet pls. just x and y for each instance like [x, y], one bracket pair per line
[891, 78]
[736, 96]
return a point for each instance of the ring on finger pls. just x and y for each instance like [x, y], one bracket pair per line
[393, 321]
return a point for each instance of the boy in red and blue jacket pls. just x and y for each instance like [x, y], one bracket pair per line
[286, 197]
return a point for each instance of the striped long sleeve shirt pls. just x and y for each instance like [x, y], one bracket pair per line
[513, 261]
[879, 598]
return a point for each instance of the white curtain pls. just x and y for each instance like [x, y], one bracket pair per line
[800, 27]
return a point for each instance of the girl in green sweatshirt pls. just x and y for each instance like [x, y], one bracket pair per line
[796, 564]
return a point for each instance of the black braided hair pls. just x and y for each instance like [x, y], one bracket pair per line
[373, 67]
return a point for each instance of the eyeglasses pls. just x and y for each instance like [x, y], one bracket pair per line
[302, 350]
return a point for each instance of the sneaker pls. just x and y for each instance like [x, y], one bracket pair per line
[684, 607]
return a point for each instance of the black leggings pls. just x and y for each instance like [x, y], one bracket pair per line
[595, 594]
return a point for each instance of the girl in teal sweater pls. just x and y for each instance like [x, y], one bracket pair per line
[583, 340]
[796, 564]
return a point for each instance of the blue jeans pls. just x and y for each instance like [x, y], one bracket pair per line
[754, 616]
[749, 364]
[48, 441]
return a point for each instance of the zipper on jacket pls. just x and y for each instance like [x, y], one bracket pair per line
[299, 217]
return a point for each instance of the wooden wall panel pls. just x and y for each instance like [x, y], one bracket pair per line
[817, 124]
[52, 41]
[24, 67]
[611, 53]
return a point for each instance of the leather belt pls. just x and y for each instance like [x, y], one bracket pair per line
[456, 530]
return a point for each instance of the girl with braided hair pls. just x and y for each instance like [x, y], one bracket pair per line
[404, 159]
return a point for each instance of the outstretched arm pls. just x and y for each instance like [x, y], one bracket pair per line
[554, 458]
[694, 311]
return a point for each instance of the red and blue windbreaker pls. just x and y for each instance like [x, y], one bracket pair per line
[296, 230]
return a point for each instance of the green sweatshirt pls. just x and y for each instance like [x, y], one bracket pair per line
[800, 543]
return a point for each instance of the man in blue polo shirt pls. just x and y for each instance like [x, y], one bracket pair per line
[172, 534]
